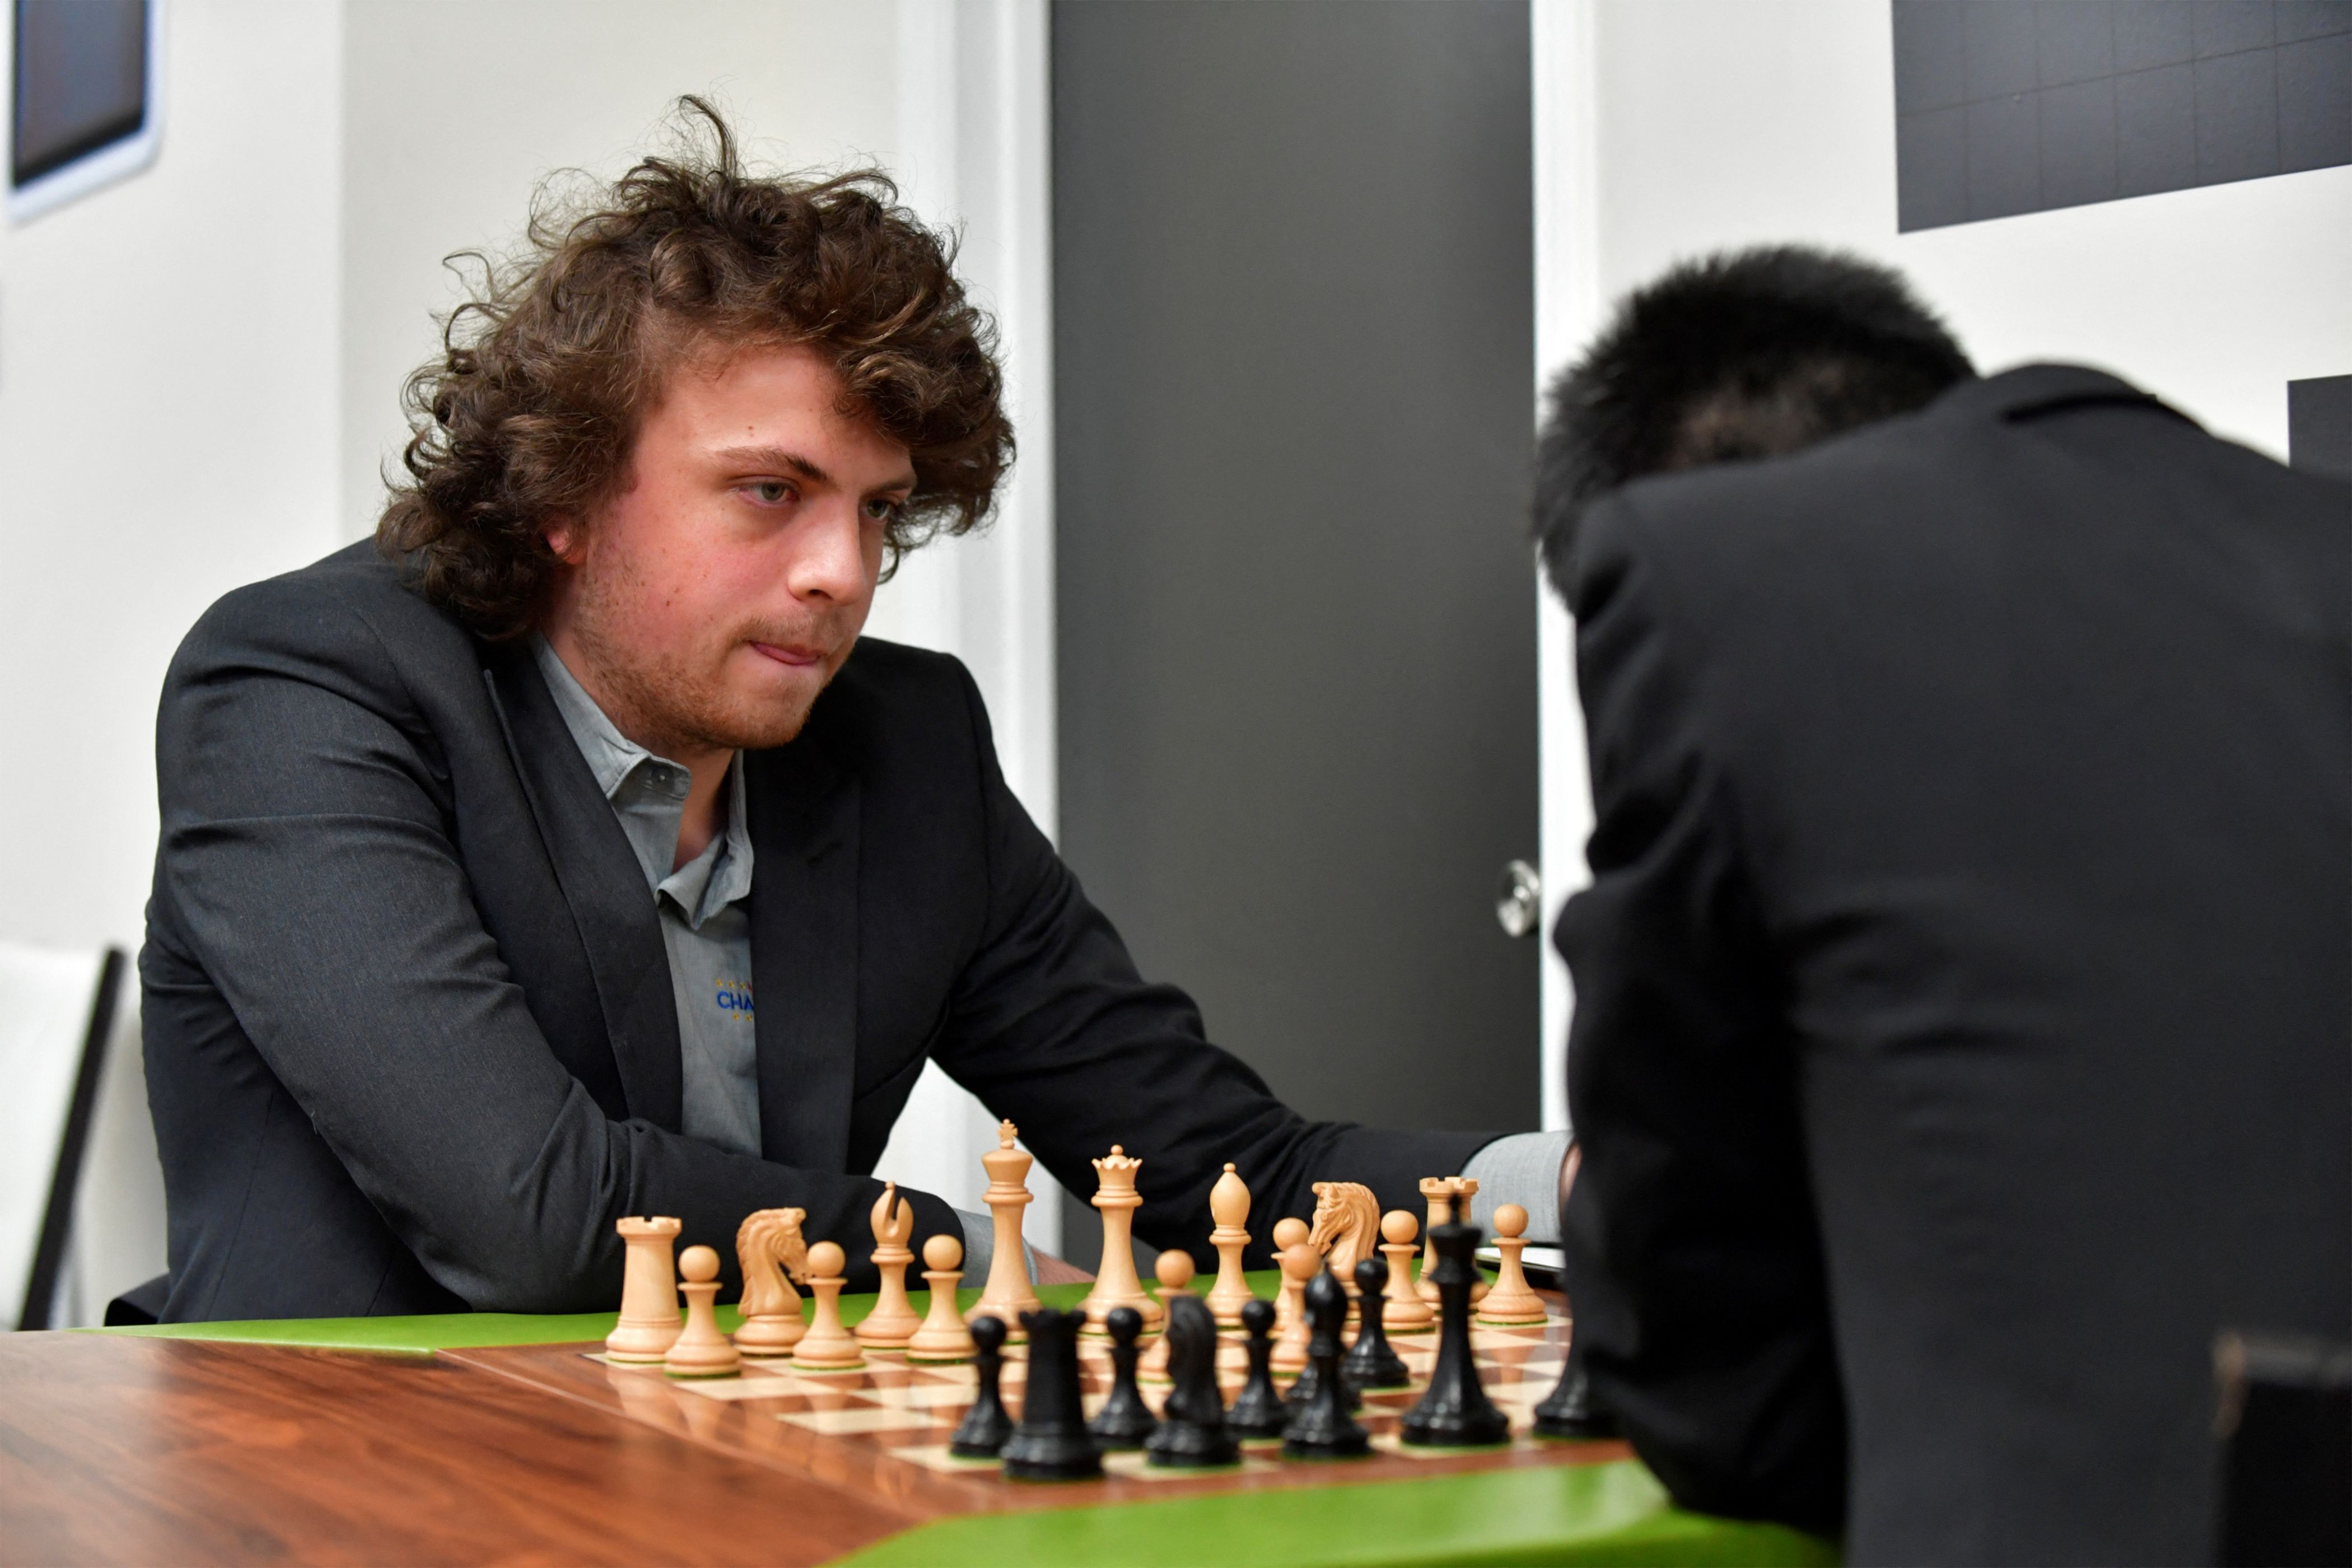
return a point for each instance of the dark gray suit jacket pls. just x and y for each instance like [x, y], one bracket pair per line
[1964, 994]
[411, 1042]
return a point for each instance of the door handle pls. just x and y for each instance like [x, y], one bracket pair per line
[1519, 903]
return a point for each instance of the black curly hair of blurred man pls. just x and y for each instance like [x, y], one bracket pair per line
[1745, 355]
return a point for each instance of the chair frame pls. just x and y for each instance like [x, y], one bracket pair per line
[57, 1222]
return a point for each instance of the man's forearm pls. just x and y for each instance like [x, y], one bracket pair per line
[1522, 1168]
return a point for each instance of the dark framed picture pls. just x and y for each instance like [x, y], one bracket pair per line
[83, 97]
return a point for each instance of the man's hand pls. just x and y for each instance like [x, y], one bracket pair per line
[1052, 1271]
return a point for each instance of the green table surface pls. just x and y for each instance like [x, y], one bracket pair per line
[1614, 1512]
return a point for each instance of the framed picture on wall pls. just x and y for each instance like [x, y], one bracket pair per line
[83, 98]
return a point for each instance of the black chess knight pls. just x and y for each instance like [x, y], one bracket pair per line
[1191, 1434]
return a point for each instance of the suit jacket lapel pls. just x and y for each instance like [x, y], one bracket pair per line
[803, 816]
[604, 885]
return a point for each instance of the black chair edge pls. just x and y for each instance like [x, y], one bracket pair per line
[57, 1222]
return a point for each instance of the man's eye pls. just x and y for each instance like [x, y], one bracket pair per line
[769, 492]
[882, 510]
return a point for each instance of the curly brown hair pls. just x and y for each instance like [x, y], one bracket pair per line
[531, 409]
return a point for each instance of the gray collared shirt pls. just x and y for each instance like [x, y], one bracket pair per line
[704, 925]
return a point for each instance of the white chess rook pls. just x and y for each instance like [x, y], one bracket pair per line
[648, 1324]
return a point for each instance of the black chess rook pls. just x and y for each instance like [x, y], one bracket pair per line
[1052, 1442]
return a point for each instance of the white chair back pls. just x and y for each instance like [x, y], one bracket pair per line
[56, 1011]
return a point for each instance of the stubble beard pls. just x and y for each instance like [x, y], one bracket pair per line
[672, 707]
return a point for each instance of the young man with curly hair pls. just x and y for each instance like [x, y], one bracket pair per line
[565, 854]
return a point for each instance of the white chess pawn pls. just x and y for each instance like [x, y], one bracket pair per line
[1301, 1263]
[1406, 1312]
[1512, 1300]
[943, 1336]
[700, 1350]
[1174, 1268]
[827, 1346]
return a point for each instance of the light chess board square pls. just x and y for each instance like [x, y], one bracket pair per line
[1390, 1443]
[933, 1396]
[1137, 1466]
[872, 1418]
[748, 1387]
[935, 1456]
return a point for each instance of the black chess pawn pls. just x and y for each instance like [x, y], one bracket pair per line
[1257, 1409]
[1124, 1421]
[1321, 1428]
[1569, 1410]
[1371, 1363]
[1305, 1385]
[1191, 1433]
[985, 1426]
[1455, 1413]
[1052, 1443]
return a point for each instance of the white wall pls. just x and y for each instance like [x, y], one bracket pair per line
[972, 148]
[167, 431]
[1670, 128]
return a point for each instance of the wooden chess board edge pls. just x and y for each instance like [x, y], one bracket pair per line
[871, 1474]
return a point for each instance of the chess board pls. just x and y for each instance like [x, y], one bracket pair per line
[882, 1431]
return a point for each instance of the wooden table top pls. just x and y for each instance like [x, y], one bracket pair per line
[150, 1451]
[416, 1442]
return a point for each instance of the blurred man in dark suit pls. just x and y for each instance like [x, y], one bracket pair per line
[1964, 993]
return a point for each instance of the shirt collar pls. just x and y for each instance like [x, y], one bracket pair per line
[713, 879]
[611, 756]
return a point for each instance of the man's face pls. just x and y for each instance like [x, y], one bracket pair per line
[707, 604]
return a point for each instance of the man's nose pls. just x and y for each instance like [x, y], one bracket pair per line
[829, 557]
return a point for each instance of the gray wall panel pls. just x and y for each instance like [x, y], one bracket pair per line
[1294, 341]
[2015, 106]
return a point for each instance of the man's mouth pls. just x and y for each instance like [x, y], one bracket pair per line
[797, 655]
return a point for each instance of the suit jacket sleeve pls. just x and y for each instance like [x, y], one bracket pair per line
[1051, 1026]
[1694, 1261]
[307, 870]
